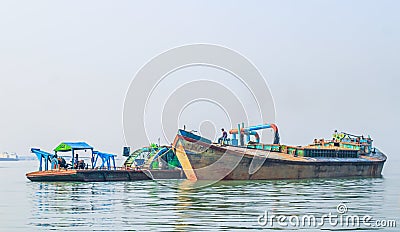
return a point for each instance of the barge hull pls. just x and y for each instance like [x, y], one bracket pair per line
[103, 175]
[277, 170]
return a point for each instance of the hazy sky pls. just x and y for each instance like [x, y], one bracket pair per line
[65, 66]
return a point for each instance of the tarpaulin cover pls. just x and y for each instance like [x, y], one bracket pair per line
[68, 146]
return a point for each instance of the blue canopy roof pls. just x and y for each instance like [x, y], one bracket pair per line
[68, 146]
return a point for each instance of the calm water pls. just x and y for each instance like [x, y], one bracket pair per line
[149, 205]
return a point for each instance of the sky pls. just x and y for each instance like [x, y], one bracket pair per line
[65, 66]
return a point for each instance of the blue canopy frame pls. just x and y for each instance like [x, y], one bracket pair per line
[42, 155]
[106, 158]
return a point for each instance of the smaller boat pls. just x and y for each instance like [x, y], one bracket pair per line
[8, 157]
[144, 164]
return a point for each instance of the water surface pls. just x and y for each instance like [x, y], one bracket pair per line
[153, 206]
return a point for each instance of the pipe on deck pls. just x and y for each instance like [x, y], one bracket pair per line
[263, 126]
[245, 132]
[252, 131]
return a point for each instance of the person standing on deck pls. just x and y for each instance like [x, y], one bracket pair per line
[223, 137]
[76, 161]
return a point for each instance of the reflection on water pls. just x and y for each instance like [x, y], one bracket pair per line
[175, 206]
[147, 205]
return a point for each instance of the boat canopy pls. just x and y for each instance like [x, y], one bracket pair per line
[74, 146]
[69, 146]
[108, 160]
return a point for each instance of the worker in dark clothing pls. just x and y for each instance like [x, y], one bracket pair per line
[76, 161]
[223, 137]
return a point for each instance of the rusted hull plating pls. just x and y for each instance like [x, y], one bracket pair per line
[199, 161]
[103, 175]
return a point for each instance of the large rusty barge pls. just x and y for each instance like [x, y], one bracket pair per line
[146, 163]
[239, 158]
